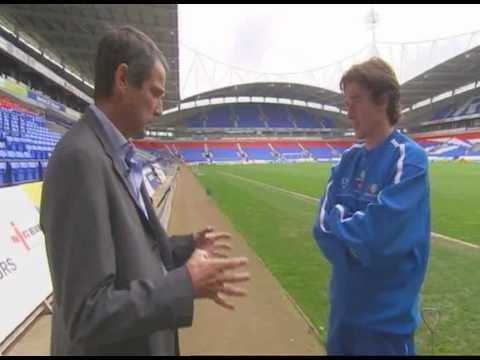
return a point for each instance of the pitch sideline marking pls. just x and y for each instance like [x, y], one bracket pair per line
[306, 197]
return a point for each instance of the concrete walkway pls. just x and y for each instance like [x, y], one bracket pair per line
[266, 322]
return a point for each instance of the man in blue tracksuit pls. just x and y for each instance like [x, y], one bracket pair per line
[373, 223]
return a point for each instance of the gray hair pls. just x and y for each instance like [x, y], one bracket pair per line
[125, 45]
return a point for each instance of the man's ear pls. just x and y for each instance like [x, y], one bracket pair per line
[120, 81]
[382, 101]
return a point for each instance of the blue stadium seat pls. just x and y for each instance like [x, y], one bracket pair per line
[293, 152]
[192, 155]
[304, 119]
[248, 116]
[194, 122]
[24, 137]
[277, 116]
[219, 118]
[16, 172]
[27, 173]
[321, 153]
[225, 154]
[33, 171]
[10, 143]
[328, 123]
[19, 155]
[3, 174]
[263, 153]
[43, 168]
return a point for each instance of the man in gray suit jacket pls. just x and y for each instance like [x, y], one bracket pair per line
[120, 285]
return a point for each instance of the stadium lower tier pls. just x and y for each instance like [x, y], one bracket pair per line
[460, 146]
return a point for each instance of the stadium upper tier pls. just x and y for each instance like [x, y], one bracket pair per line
[25, 144]
[265, 116]
[469, 107]
[272, 117]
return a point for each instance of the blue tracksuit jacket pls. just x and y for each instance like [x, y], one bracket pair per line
[373, 226]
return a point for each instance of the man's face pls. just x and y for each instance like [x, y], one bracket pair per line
[146, 102]
[362, 111]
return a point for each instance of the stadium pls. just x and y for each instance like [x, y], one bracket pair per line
[251, 157]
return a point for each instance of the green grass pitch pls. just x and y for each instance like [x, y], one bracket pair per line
[280, 233]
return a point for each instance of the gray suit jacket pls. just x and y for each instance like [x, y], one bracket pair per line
[107, 261]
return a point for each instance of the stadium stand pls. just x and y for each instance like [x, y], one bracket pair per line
[265, 116]
[469, 107]
[26, 144]
[462, 145]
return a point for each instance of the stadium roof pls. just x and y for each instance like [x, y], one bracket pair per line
[451, 74]
[276, 90]
[72, 31]
[447, 76]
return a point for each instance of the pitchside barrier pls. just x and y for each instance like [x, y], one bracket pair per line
[25, 284]
[163, 199]
[24, 275]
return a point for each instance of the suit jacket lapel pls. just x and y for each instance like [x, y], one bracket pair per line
[160, 234]
[90, 120]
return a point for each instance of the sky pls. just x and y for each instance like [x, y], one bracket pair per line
[222, 45]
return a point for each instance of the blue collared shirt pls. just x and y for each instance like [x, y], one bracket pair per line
[133, 168]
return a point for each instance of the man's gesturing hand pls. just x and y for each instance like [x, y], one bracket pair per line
[212, 242]
[212, 277]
